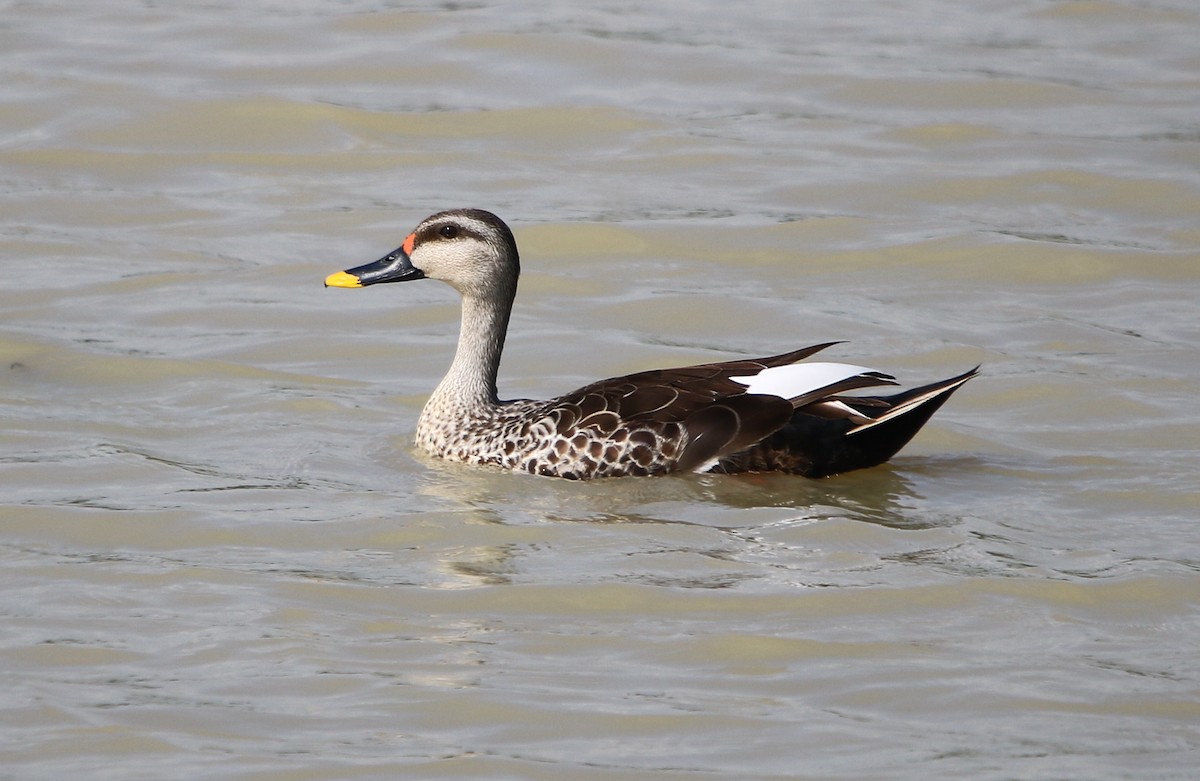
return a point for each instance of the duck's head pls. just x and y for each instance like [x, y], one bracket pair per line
[470, 249]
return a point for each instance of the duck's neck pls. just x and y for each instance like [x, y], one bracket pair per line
[470, 384]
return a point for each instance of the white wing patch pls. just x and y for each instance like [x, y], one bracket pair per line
[797, 379]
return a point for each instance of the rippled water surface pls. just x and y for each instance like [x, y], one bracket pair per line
[222, 559]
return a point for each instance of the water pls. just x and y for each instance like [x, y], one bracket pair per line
[221, 558]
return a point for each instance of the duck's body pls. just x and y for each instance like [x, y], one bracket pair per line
[766, 414]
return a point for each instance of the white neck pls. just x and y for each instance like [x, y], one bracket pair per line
[471, 381]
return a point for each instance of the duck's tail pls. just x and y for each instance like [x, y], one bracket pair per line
[843, 433]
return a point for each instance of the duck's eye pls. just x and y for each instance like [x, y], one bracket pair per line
[448, 231]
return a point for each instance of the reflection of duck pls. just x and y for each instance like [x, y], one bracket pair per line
[766, 414]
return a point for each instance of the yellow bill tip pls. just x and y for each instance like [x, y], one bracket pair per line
[342, 279]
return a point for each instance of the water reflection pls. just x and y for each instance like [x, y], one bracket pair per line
[886, 496]
[706, 531]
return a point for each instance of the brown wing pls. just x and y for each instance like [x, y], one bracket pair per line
[697, 414]
[675, 394]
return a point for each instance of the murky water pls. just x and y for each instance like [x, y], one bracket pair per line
[221, 559]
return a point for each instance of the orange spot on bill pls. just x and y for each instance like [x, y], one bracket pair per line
[408, 243]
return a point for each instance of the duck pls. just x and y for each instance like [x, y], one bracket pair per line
[780, 413]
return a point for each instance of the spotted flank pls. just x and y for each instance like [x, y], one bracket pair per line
[777, 413]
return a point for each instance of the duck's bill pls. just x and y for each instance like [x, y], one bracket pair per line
[393, 267]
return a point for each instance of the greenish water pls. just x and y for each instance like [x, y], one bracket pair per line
[221, 558]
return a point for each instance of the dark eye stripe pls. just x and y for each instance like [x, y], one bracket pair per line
[440, 231]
